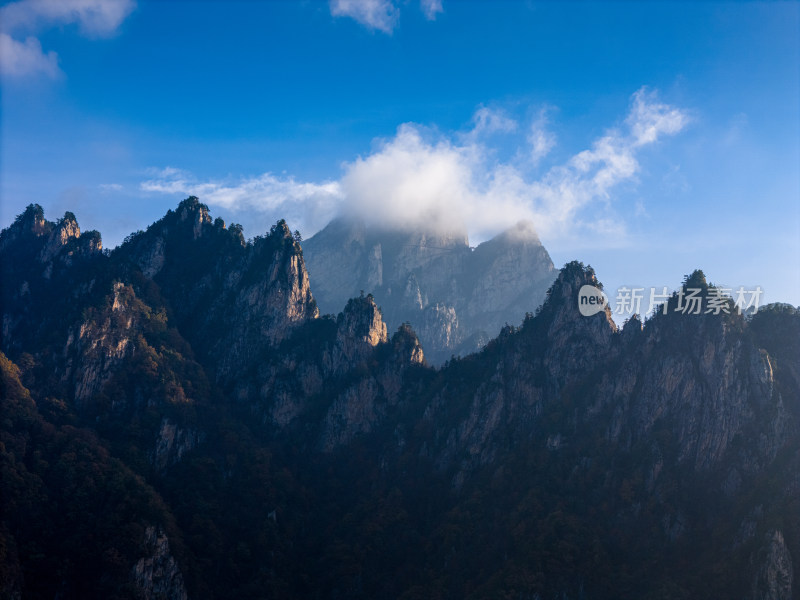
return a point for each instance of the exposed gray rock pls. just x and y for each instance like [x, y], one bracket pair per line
[455, 297]
[173, 443]
[774, 576]
[360, 329]
[506, 403]
[156, 575]
[702, 378]
[262, 313]
[152, 261]
[708, 390]
[63, 232]
[363, 405]
[101, 344]
[241, 299]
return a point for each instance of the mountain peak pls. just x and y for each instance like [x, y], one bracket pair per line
[64, 230]
[562, 299]
[522, 231]
[32, 219]
[453, 296]
[406, 346]
[30, 222]
[697, 280]
[361, 320]
[280, 230]
[194, 211]
[43, 240]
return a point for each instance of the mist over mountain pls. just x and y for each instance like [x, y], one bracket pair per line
[456, 297]
[194, 415]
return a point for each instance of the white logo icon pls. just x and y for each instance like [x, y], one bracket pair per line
[591, 300]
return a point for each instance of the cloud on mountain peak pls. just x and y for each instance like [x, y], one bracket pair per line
[421, 177]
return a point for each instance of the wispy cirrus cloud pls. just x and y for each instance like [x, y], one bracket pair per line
[649, 119]
[94, 18]
[424, 178]
[430, 8]
[307, 205]
[380, 15]
[540, 139]
[487, 120]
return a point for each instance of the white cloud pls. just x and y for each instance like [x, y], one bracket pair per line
[380, 15]
[374, 14]
[650, 119]
[411, 181]
[442, 182]
[541, 140]
[306, 206]
[430, 8]
[95, 18]
[422, 178]
[487, 120]
[26, 58]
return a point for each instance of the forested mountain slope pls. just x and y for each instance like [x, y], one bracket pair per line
[180, 421]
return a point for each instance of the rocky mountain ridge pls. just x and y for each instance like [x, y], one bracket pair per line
[180, 415]
[229, 297]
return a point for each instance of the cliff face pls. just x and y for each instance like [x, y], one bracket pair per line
[88, 333]
[775, 577]
[455, 297]
[364, 403]
[359, 329]
[34, 251]
[676, 398]
[157, 576]
[99, 345]
[347, 370]
[232, 300]
[519, 375]
[702, 376]
[50, 275]
[707, 380]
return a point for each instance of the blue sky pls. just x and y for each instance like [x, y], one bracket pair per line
[647, 139]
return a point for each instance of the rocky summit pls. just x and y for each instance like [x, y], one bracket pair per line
[196, 415]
